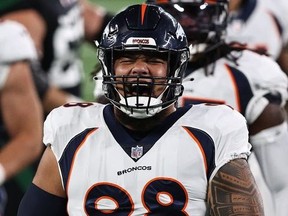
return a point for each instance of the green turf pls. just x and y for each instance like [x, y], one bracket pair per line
[88, 52]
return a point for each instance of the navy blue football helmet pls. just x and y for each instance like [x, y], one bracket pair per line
[146, 29]
[204, 21]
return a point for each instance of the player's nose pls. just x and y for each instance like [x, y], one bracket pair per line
[140, 67]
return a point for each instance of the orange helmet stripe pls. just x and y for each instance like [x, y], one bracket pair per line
[143, 10]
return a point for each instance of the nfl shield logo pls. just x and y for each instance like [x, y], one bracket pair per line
[137, 152]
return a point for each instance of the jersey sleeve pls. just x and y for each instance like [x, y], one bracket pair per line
[231, 137]
[60, 127]
[16, 43]
[268, 82]
[50, 131]
[65, 122]
[48, 135]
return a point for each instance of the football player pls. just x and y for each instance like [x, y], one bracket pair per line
[262, 26]
[251, 83]
[140, 154]
[21, 112]
[248, 24]
[279, 9]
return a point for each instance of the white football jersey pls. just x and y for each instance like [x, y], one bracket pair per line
[256, 27]
[16, 45]
[246, 87]
[280, 9]
[65, 65]
[104, 169]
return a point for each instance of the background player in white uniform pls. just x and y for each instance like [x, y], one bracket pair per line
[252, 24]
[140, 154]
[279, 8]
[251, 83]
[20, 107]
[263, 26]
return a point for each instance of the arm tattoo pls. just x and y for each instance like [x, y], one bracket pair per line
[233, 191]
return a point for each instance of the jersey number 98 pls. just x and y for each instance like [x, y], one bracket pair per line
[160, 196]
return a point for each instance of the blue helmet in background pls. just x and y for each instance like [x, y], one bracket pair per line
[204, 21]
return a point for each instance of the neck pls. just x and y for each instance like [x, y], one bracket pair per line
[143, 124]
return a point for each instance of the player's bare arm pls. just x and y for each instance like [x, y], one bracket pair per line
[272, 115]
[25, 135]
[47, 176]
[233, 191]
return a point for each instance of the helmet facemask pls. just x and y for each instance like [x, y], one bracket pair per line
[143, 96]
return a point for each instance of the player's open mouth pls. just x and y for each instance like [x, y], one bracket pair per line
[143, 89]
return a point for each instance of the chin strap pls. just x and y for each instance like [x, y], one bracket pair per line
[140, 113]
[271, 150]
[141, 107]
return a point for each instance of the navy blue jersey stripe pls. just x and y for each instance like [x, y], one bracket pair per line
[66, 159]
[244, 89]
[208, 147]
[247, 10]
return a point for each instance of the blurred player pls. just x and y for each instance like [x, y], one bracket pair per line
[21, 112]
[248, 24]
[279, 8]
[141, 155]
[261, 25]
